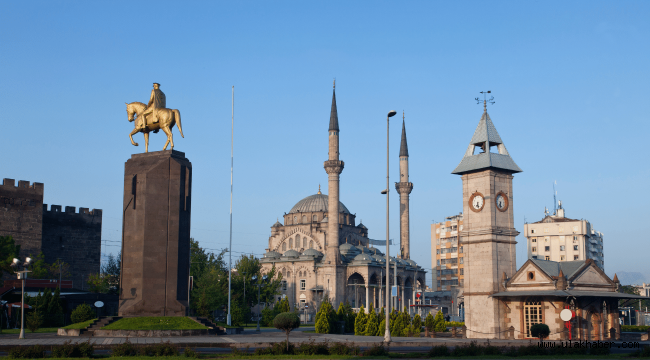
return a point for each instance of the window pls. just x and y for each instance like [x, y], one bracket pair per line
[437, 241]
[562, 238]
[462, 271]
[304, 243]
[297, 241]
[532, 231]
[575, 257]
[533, 240]
[534, 256]
[546, 239]
[561, 247]
[437, 251]
[304, 219]
[534, 249]
[311, 244]
[438, 265]
[284, 285]
[314, 218]
[291, 243]
[575, 247]
[303, 285]
[575, 238]
[531, 275]
[461, 260]
[532, 314]
[547, 258]
[562, 258]
[547, 248]
[295, 219]
[461, 250]
[284, 246]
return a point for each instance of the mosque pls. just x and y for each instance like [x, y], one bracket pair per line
[322, 253]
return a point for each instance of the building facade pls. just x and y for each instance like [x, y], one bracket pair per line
[322, 253]
[59, 233]
[558, 238]
[448, 259]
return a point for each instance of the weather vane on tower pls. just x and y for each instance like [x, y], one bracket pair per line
[485, 99]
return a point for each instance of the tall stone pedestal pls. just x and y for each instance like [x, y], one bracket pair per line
[156, 227]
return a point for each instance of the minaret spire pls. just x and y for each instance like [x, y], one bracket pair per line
[333, 167]
[404, 188]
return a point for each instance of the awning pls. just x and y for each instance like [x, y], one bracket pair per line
[567, 293]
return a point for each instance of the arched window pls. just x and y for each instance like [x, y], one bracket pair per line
[304, 243]
[284, 247]
[314, 218]
[304, 219]
[291, 243]
[311, 244]
[288, 274]
[532, 314]
[297, 241]
[295, 219]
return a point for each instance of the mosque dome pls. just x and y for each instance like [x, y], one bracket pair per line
[312, 252]
[363, 257]
[361, 226]
[277, 224]
[363, 249]
[272, 255]
[379, 258]
[348, 250]
[291, 254]
[412, 263]
[315, 203]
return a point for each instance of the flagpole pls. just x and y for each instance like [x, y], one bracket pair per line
[232, 132]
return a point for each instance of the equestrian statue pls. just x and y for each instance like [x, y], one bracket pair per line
[153, 117]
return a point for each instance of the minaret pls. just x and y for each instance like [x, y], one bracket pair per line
[333, 167]
[404, 188]
[488, 234]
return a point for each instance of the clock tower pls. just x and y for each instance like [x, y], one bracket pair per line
[488, 234]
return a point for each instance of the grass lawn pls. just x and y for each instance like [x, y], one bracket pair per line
[155, 323]
[27, 332]
[81, 325]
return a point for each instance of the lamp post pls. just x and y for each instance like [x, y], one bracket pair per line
[22, 275]
[387, 332]
[259, 286]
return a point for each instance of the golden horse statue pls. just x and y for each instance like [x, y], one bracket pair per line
[166, 120]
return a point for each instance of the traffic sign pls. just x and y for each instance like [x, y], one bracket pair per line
[393, 291]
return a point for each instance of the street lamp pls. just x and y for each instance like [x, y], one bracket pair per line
[387, 332]
[259, 286]
[22, 275]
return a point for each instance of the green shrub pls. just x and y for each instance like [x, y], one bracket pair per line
[82, 313]
[73, 350]
[311, 348]
[325, 318]
[360, 322]
[344, 349]
[371, 323]
[377, 350]
[124, 349]
[492, 350]
[438, 351]
[643, 352]
[281, 348]
[34, 321]
[429, 323]
[27, 352]
[467, 350]
[286, 321]
[634, 328]
[190, 353]
[540, 331]
[161, 349]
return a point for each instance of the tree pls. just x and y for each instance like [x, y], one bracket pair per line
[429, 323]
[97, 283]
[381, 329]
[283, 305]
[111, 272]
[439, 322]
[417, 322]
[286, 322]
[324, 321]
[540, 331]
[371, 324]
[34, 321]
[360, 322]
[8, 251]
[82, 313]
[350, 318]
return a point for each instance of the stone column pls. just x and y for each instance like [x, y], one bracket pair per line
[367, 298]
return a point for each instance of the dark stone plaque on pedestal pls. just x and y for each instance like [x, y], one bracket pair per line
[156, 234]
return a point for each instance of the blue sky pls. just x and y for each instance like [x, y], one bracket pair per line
[569, 80]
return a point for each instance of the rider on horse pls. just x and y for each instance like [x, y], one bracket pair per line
[157, 101]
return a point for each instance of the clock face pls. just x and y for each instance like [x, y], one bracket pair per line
[476, 202]
[501, 201]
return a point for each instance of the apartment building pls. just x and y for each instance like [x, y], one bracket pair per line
[447, 266]
[558, 238]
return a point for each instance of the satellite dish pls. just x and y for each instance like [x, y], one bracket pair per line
[566, 315]
[99, 304]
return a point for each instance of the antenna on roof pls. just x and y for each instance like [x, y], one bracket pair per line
[554, 198]
[485, 99]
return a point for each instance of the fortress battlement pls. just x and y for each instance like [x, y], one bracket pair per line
[54, 209]
[10, 185]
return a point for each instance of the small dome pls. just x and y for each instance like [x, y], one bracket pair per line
[277, 224]
[379, 258]
[376, 251]
[312, 252]
[364, 249]
[271, 255]
[363, 257]
[291, 253]
[412, 263]
[315, 203]
[361, 226]
[348, 250]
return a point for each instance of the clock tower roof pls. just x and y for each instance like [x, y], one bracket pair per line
[486, 136]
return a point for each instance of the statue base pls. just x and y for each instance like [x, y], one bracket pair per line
[156, 235]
